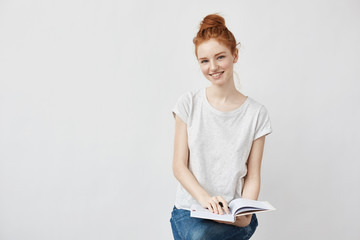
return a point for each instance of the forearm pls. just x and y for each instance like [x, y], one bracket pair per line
[251, 187]
[189, 182]
[250, 191]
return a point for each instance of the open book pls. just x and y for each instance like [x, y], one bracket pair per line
[238, 207]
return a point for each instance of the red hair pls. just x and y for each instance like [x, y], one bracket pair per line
[213, 26]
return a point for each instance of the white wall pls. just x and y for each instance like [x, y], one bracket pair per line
[86, 131]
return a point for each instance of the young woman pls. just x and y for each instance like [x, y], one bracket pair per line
[219, 141]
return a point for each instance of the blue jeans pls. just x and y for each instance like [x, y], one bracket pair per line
[185, 227]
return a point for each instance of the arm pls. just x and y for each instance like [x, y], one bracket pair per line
[251, 187]
[184, 175]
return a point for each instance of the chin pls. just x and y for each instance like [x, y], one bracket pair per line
[219, 82]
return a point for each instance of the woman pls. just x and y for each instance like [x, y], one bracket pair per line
[219, 141]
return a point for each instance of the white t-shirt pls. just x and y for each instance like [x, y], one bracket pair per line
[219, 143]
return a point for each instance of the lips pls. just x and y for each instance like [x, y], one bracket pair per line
[216, 75]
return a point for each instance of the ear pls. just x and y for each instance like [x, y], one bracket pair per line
[236, 55]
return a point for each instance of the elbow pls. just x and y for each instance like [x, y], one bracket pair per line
[175, 170]
[253, 178]
[178, 169]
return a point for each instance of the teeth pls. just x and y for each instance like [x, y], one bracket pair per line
[216, 75]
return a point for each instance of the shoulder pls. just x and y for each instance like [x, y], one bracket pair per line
[190, 96]
[256, 107]
[261, 119]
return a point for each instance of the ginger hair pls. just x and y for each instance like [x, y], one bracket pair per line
[213, 26]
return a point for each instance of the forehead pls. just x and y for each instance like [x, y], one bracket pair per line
[210, 48]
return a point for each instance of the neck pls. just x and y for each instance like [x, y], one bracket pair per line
[223, 92]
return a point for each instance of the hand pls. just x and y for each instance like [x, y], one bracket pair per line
[243, 221]
[213, 204]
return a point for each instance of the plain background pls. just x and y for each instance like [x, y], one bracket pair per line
[86, 130]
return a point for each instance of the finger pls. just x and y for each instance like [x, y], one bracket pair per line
[221, 211]
[209, 206]
[219, 208]
[214, 206]
[224, 203]
[218, 204]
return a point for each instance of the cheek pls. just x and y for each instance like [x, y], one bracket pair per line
[204, 70]
[227, 64]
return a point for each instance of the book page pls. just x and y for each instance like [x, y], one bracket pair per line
[240, 205]
[199, 212]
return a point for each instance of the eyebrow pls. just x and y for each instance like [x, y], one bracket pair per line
[215, 55]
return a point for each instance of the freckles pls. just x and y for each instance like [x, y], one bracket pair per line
[204, 70]
[227, 64]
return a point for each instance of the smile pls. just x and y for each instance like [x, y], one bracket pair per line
[216, 75]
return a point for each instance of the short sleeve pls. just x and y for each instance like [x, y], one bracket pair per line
[182, 107]
[263, 124]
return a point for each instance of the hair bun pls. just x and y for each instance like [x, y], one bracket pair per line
[213, 27]
[212, 20]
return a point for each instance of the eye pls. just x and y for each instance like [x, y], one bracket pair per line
[221, 57]
[203, 61]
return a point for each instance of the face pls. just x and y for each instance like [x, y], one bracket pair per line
[216, 61]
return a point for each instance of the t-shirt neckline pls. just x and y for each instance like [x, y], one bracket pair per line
[230, 113]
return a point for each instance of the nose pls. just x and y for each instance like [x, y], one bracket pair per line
[213, 66]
